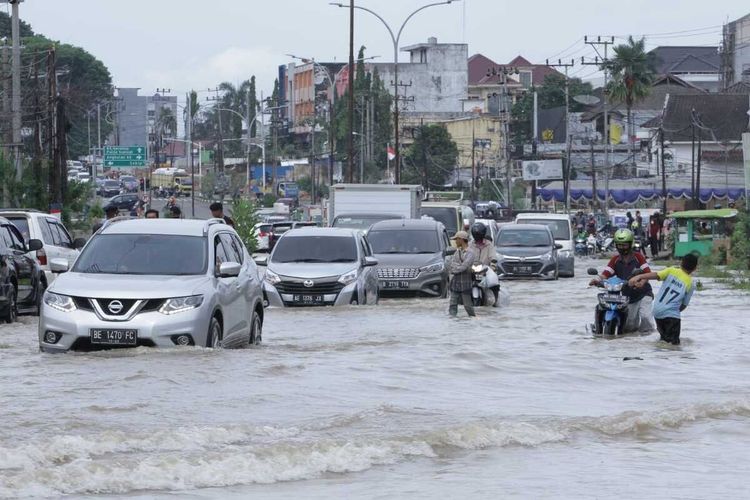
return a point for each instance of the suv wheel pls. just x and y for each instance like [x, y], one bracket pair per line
[256, 330]
[213, 337]
[39, 297]
[11, 315]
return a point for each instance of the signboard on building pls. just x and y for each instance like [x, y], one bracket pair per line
[124, 156]
[542, 170]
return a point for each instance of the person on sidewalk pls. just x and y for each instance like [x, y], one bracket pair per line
[461, 275]
[217, 212]
[653, 234]
[673, 297]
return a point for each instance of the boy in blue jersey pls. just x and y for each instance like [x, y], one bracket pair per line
[673, 297]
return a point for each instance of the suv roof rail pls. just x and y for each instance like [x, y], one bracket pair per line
[22, 210]
[115, 220]
[210, 222]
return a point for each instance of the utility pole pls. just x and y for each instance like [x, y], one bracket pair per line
[16, 87]
[189, 133]
[663, 172]
[350, 171]
[604, 64]
[473, 166]
[692, 153]
[594, 194]
[568, 137]
[219, 162]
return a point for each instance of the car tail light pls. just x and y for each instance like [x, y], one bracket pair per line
[41, 256]
[262, 234]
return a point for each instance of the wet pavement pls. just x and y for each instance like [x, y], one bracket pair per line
[393, 401]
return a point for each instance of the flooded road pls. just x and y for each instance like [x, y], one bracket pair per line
[393, 401]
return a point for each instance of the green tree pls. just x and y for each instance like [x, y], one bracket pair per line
[552, 92]
[431, 158]
[632, 70]
[6, 27]
[245, 215]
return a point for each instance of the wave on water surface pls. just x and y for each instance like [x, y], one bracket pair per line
[198, 457]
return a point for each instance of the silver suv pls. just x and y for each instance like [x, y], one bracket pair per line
[154, 282]
[314, 266]
[412, 256]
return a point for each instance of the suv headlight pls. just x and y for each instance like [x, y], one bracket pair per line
[60, 302]
[432, 268]
[271, 277]
[546, 256]
[181, 304]
[349, 277]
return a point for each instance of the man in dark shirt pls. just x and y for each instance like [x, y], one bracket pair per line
[217, 212]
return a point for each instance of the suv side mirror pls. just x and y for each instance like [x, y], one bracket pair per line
[79, 243]
[371, 261]
[558, 246]
[58, 265]
[592, 272]
[229, 269]
[449, 251]
[35, 244]
[261, 261]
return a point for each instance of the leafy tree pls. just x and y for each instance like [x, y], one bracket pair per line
[6, 29]
[633, 71]
[552, 92]
[245, 215]
[431, 158]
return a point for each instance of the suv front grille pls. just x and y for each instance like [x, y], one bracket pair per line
[398, 273]
[290, 287]
[84, 304]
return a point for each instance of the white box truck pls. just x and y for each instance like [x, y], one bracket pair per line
[361, 205]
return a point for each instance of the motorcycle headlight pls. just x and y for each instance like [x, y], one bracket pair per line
[349, 277]
[181, 304]
[60, 302]
[271, 277]
[432, 268]
[614, 288]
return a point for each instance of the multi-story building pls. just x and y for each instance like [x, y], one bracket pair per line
[699, 66]
[735, 52]
[137, 116]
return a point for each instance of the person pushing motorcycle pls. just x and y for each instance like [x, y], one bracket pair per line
[484, 254]
[625, 265]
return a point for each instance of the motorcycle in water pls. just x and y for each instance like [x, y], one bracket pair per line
[485, 290]
[580, 248]
[611, 312]
[592, 245]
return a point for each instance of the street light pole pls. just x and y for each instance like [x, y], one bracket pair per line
[395, 38]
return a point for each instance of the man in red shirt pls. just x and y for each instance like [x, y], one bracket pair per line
[624, 265]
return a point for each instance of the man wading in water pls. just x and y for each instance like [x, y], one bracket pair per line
[462, 276]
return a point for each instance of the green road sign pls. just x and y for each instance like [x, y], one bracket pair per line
[124, 156]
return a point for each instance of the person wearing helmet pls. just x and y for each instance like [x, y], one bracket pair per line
[625, 265]
[484, 250]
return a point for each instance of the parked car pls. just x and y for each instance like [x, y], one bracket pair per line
[314, 266]
[83, 177]
[262, 235]
[110, 187]
[56, 240]
[559, 224]
[124, 202]
[361, 222]
[155, 282]
[21, 285]
[527, 250]
[99, 181]
[129, 184]
[412, 256]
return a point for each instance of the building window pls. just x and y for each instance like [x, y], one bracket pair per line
[423, 56]
[525, 77]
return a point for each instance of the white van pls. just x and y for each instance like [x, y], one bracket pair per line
[559, 224]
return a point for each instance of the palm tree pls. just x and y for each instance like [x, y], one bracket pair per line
[632, 70]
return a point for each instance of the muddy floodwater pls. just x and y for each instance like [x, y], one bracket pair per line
[393, 401]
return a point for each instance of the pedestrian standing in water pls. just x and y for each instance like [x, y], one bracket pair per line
[461, 275]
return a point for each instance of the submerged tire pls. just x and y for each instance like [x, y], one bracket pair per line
[11, 314]
[256, 329]
[214, 334]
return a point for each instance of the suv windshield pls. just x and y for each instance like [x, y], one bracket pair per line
[156, 254]
[560, 228]
[361, 222]
[111, 184]
[23, 225]
[446, 215]
[403, 241]
[315, 249]
[127, 178]
[523, 238]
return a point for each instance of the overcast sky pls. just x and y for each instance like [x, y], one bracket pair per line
[184, 44]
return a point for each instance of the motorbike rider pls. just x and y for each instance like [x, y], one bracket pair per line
[625, 265]
[484, 251]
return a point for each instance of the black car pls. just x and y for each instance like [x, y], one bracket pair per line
[123, 202]
[21, 283]
[109, 187]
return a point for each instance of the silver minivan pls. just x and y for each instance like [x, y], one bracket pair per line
[313, 266]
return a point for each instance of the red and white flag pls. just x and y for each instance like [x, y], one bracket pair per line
[391, 153]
